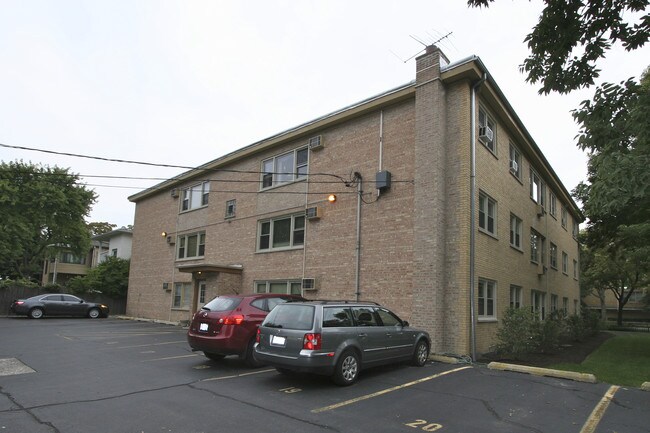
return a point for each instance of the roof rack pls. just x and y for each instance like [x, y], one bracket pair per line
[342, 301]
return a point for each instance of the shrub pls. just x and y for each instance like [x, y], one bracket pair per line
[518, 333]
[549, 333]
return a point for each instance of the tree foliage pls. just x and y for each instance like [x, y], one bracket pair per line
[111, 277]
[99, 228]
[42, 210]
[572, 35]
[615, 131]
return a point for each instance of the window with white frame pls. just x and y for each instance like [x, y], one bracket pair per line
[516, 230]
[285, 168]
[515, 296]
[536, 247]
[291, 287]
[553, 254]
[565, 263]
[202, 290]
[565, 217]
[195, 196]
[537, 188]
[230, 208]
[182, 295]
[575, 269]
[554, 299]
[487, 130]
[486, 299]
[515, 161]
[281, 233]
[487, 213]
[552, 204]
[191, 246]
[538, 304]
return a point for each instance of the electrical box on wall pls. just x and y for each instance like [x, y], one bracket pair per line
[382, 180]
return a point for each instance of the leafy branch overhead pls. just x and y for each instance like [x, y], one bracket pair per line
[572, 35]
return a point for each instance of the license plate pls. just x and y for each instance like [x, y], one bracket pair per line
[277, 340]
[203, 327]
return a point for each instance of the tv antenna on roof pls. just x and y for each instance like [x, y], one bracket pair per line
[425, 44]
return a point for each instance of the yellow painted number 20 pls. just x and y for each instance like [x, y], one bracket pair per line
[423, 425]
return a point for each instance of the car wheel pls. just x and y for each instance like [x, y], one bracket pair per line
[249, 356]
[93, 313]
[346, 371]
[36, 313]
[214, 356]
[421, 354]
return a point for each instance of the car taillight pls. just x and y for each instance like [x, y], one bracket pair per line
[237, 319]
[19, 302]
[311, 342]
[257, 336]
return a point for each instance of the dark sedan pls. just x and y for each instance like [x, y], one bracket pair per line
[57, 304]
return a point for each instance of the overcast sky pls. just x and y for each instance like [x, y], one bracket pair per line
[185, 82]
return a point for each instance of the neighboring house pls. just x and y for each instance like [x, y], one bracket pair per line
[65, 265]
[634, 311]
[415, 225]
[116, 243]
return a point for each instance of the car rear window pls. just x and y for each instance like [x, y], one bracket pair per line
[291, 316]
[222, 303]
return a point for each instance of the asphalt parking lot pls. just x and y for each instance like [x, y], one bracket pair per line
[112, 375]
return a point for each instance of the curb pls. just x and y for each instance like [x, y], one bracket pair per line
[140, 319]
[445, 359]
[537, 371]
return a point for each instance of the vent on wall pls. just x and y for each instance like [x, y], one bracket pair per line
[308, 284]
[316, 142]
[312, 213]
[174, 192]
[170, 240]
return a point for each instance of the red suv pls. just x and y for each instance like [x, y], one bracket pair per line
[227, 325]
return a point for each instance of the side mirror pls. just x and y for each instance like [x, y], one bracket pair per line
[405, 323]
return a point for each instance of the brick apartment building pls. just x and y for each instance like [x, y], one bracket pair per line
[445, 210]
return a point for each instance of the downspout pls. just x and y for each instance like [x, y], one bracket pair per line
[381, 144]
[472, 233]
[357, 276]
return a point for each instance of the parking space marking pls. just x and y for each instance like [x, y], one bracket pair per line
[599, 410]
[386, 391]
[151, 344]
[170, 357]
[237, 375]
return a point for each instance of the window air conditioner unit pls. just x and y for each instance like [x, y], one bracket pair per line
[308, 284]
[174, 192]
[171, 240]
[485, 133]
[316, 142]
[540, 210]
[514, 166]
[312, 213]
[541, 271]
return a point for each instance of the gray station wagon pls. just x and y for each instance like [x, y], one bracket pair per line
[337, 338]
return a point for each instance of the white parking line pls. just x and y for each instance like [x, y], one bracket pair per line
[236, 375]
[147, 345]
[386, 391]
[170, 357]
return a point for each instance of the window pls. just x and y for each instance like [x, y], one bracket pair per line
[195, 196]
[72, 259]
[575, 269]
[230, 208]
[537, 188]
[114, 252]
[565, 306]
[364, 316]
[182, 295]
[537, 304]
[553, 252]
[487, 213]
[516, 226]
[515, 161]
[553, 303]
[552, 207]
[290, 287]
[565, 263]
[576, 307]
[575, 229]
[387, 318]
[191, 245]
[515, 296]
[536, 246]
[485, 125]
[564, 217]
[284, 168]
[202, 290]
[281, 233]
[486, 299]
[337, 317]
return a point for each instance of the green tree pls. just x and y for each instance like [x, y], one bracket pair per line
[615, 131]
[42, 210]
[99, 228]
[572, 35]
[111, 277]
